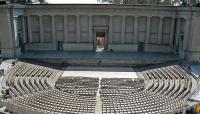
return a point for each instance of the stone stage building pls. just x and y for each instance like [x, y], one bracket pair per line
[105, 27]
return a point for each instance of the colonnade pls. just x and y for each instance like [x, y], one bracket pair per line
[173, 33]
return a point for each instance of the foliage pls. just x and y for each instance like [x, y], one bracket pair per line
[26, 1]
[166, 2]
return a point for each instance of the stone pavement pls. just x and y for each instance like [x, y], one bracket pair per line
[100, 72]
[100, 58]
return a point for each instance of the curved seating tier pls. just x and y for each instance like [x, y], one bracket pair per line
[169, 80]
[157, 91]
[129, 96]
[27, 78]
[71, 95]
[52, 102]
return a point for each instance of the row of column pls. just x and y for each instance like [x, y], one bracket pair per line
[78, 32]
[147, 40]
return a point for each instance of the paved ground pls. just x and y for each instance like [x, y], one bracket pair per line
[101, 72]
[195, 69]
[99, 55]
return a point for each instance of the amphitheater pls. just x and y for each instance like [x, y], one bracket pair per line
[41, 88]
[99, 59]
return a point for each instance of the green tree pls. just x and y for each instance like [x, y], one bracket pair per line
[26, 1]
[126, 1]
[166, 2]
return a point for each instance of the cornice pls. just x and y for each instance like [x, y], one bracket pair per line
[106, 6]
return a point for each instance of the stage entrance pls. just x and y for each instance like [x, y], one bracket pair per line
[100, 41]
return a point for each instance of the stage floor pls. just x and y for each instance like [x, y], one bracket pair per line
[98, 55]
[100, 58]
[100, 72]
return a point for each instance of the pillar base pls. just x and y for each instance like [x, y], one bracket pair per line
[11, 53]
[192, 56]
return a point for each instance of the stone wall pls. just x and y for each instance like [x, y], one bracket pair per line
[160, 29]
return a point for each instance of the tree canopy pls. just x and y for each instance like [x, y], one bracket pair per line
[162, 2]
[27, 1]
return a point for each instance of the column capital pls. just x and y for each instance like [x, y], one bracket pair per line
[149, 16]
[40, 15]
[14, 17]
[174, 17]
[136, 16]
[161, 17]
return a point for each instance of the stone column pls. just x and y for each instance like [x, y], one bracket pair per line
[186, 33]
[78, 32]
[123, 29]
[65, 29]
[29, 29]
[110, 29]
[53, 28]
[41, 29]
[178, 31]
[90, 28]
[148, 30]
[172, 32]
[160, 30]
[136, 29]
[24, 29]
[15, 31]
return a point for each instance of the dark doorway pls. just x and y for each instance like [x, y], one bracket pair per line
[100, 41]
[141, 47]
[60, 45]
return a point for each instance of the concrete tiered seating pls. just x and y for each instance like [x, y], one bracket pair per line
[78, 85]
[52, 102]
[36, 89]
[27, 78]
[72, 95]
[177, 82]
[164, 89]
[129, 96]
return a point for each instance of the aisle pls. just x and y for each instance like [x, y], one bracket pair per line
[101, 72]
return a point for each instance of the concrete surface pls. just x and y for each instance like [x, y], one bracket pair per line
[101, 72]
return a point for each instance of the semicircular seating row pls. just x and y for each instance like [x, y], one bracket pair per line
[160, 90]
[164, 89]
[27, 78]
[171, 80]
[52, 101]
[84, 86]
[33, 91]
